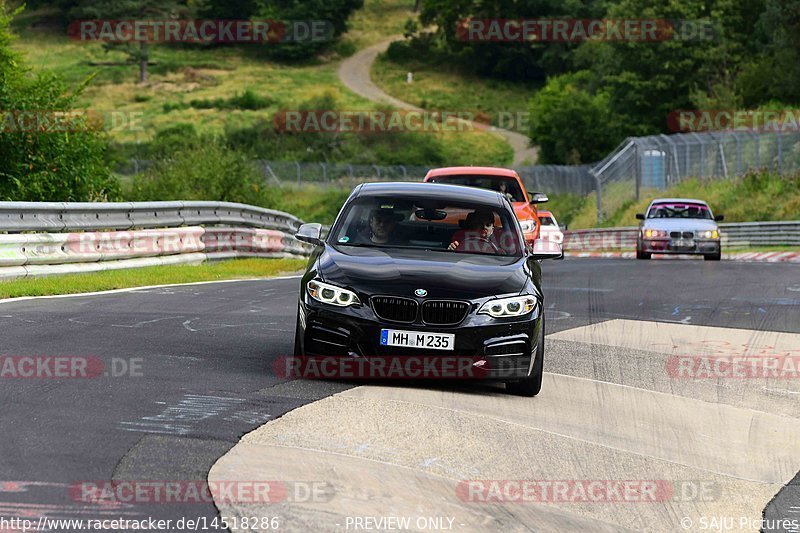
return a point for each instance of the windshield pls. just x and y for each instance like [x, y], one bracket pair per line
[676, 210]
[508, 186]
[547, 221]
[421, 223]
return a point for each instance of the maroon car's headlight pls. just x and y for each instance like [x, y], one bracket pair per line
[650, 233]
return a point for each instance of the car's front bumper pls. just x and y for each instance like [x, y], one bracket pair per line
[672, 246]
[485, 348]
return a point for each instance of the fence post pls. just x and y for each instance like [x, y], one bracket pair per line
[758, 151]
[598, 191]
[637, 172]
[738, 154]
[779, 139]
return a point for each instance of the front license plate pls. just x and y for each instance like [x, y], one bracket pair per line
[683, 243]
[418, 339]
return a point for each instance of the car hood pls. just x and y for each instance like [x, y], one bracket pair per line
[679, 224]
[402, 271]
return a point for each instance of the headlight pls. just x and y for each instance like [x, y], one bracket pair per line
[655, 233]
[331, 294]
[708, 234]
[505, 307]
[527, 226]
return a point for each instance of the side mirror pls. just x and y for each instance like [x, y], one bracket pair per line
[639, 216]
[564, 228]
[544, 249]
[719, 218]
[538, 197]
[310, 233]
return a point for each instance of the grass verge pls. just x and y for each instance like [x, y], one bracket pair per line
[759, 196]
[205, 86]
[142, 277]
[442, 87]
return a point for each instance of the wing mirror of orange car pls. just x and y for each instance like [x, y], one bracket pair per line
[719, 218]
[538, 197]
[639, 216]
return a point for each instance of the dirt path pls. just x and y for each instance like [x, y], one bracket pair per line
[354, 72]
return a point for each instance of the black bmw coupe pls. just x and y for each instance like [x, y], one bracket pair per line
[435, 274]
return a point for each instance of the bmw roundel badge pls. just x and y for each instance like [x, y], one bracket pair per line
[421, 292]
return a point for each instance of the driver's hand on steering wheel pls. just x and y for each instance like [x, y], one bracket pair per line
[453, 245]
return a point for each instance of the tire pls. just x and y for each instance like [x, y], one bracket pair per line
[531, 385]
[298, 345]
[642, 255]
[713, 257]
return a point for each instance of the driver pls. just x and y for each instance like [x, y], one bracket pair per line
[382, 227]
[501, 186]
[479, 226]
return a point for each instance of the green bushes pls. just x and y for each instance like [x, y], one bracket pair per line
[188, 166]
[333, 12]
[42, 159]
[571, 123]
[205, 170]
[248, 100]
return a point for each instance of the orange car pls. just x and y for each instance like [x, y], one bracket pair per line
[502, 180]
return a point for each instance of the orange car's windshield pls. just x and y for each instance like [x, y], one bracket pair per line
[506, 185]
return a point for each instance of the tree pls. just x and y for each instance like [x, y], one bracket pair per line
[39, 159]
[572, 122]
[533, 60]
[334, 12]
[227, 9]
[128, 10]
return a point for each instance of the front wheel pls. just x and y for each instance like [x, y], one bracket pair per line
[713, 257]
[642, 255]
[531, 385]
[298, 345]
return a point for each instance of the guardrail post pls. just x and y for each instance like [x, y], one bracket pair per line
[638, 169]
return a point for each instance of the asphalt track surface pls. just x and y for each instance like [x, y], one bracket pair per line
[204, 374]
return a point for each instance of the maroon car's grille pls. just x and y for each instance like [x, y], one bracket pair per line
[395, 308]
[444, 312]
[678, 234]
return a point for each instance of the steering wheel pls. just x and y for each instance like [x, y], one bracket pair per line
[481, 240]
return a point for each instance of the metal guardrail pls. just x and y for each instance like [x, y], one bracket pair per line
[55, 238]
[731, 234]
[79, 216]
